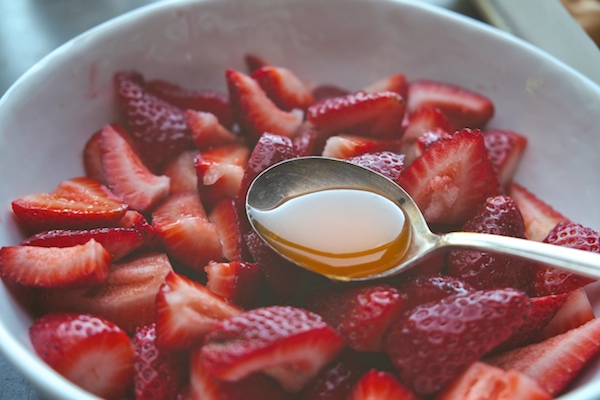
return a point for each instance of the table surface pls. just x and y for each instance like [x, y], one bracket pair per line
[29, 30]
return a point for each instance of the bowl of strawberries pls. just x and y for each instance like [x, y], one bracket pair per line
[129, 269]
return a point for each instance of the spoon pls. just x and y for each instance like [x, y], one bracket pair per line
[303, 176]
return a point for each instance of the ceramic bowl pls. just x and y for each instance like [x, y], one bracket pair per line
[48, 115]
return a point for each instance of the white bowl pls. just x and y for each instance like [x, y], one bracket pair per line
[47, 116]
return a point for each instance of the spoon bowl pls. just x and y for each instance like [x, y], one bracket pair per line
[300, 176]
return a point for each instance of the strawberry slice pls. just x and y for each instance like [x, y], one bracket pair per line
[254, 62]
[498, 215]
[127, 298]
[305, 143]
[89, 351]
[186, 311]
[92, 155]
[576, 311]
[483, 381]
[52, 267]
[127, 176]
[237, 281]
[324, 92]
[158, 128]
[159, 374]
[181, 172]
[360, 315]
[451, 178]
[255, 112]
[376, 115]
[78, 203]
[539, 216]
[283, 87]
[186, 232]
[229, 228]
[348, 146]
[464, 108]
[505, 149]
[428, 138]
[551, 280]
[423, 120]
[428, 288]
[386, 163]
[396, 83]
[380, 385]
[554, 362]
[198, 100]
[460, 328]
[207, 132]
[220, 172]
[287, 343]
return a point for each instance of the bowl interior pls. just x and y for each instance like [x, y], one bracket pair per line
[48, 115]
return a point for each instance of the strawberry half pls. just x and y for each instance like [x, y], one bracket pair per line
[380, 385]
[207, 132]
[451, 178]
[505, 149]
[52, 267]
[237, 281]
[347, 146]
[386, 163]
[89, 351]
[92, 154]
[283, 87]
[576, 311]
[181, 172]
[287, 343]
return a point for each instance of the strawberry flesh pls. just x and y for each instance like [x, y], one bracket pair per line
[380, 385]
[283, 87]
[237, 281]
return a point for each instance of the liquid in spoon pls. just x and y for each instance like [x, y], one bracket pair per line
[340, 233]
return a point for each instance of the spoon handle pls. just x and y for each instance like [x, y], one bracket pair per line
[581, 262]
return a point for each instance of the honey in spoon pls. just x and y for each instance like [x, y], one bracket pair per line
[340, 233]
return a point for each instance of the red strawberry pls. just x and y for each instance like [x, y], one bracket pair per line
[505, 149]
[324, 92]
[186, 232]
[451, 178]
[159, 374]
[394, 83]
[220, 172]
[237, 281]
[423, 120]
[255, 112]
[498, 215]
[78, 203]
[283, 87]
[305, 143]
[576, 311]
[428, 138]
[225, 217]
[483, 381]
[127, 176]
[207, 132]
[287, 343]
[361, 315]
[51, 267]
[347, 146]
[554, 362]
[89, 351]
[92, 155]
[386, 163]
[551, 280]
[199, 100]
[539, 217]
[427, 288]
[435, 342]
[254, 62]
[158, 128]
[127, 298]
[186, 311]
[181, 171]
[464, 108]
[376, 115]
[380, 385]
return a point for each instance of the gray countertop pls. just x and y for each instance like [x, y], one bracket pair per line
[29, 30]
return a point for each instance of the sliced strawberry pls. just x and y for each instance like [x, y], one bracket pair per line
[427, 288]
[229, 228]
[127, 176]
[159, 374]
[361, 315]
[186, 311]
[52, 267]
[287, 343]
[199, 100]
[427, 138]
[451, 178]
[255, 112]
[554, 362]
[505, 149]
[458, 329]
[423, 120]
[498, 215]
[78, 203]
[237, 281]
[464, 108]
[220, 172]
[376, 115]
[186, 232]
[324, 92]
[128, 297]
[305, 143]
[576, 311]
[386, 163]
[396, 83]
[380, 385]
[347, 146]
[181, 171]
[158, 128]
[89, 351]
[284, 88]
[92, 154]
[483, 381]
[207, 132]
[254, 62]
[539, 216]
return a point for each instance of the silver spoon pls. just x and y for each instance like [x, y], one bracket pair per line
[305, 175]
